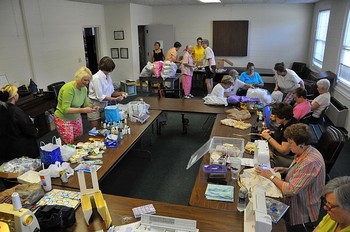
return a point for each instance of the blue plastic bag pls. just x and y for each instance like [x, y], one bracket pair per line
[112, 113]
[50, 153]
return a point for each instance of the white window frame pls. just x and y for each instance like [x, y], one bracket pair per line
[344, 59]
[320, 37]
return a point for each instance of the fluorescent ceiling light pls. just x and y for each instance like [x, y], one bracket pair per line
[210, 1]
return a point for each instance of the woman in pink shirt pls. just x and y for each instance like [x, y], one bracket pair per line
[302, 106]
[187, 71]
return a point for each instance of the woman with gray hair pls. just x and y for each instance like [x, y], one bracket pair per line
[322, 101]
[337, 203]
[237, 84]
[209, 65]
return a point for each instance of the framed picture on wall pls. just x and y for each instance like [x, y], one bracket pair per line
[124, 53]
[115, 53]
[118, 35]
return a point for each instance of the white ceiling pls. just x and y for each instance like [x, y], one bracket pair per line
[189, 2]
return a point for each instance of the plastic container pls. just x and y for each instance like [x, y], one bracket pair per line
[242, 199]
[216, 144]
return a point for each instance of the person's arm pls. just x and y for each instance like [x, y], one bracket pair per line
[314, 105]
[276, 86]
[23, 121]
[282, 148]
[152, 57]
[67, 99]
[260, 81]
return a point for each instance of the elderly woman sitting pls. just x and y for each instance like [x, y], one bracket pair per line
[305, 178]
[322, 101]
[336, 202]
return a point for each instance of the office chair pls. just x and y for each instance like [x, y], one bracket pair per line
[330, 145]
[55, 87]
[321, 120]
[306, 118]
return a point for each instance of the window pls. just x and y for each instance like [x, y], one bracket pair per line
[320, 37]
[344, 65]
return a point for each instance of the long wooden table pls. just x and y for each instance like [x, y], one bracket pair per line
[112, 155]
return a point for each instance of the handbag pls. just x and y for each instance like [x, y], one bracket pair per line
[50, 153]
[55, 217]
[112, 113]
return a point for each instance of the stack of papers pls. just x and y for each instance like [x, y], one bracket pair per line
[219, 192]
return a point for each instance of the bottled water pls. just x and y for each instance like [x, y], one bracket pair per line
[242, 196]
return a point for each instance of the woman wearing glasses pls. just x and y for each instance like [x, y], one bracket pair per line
[305, 178]
[337, 203]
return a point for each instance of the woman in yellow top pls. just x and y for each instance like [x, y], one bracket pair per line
[337, 203]
[198, 52]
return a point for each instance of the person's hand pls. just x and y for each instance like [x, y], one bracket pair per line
[95, 108]
[88, 109]
[251, 86]
[266, 134]
[120, 98]
[263, 172]
[280, 169]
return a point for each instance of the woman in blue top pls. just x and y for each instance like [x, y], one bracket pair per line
[251, 77]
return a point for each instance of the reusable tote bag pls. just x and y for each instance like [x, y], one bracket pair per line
[112, 113]
[50, 153]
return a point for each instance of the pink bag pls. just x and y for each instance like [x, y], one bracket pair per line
[157, 68]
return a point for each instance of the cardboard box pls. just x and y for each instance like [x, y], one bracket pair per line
[220, 63]
[9, 175]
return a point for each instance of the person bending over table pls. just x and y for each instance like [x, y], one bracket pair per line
[17, 130]
[305, 179]
[282, 154]
[209, 64]
[71, 102]
[101, 90]
[286, 83]
[171, 55]
[302, 106]
[236, 85]
[337, 204]
[219, 89]
[321, 101]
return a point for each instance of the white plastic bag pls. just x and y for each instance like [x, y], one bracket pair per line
[262, 94]
[169, 69]
[147, 70]
[214, 100]
[67, 152]
[277, 96]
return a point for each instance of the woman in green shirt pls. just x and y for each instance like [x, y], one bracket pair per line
[337, 203]
[72, 101]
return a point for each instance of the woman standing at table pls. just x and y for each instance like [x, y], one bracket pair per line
[251, 77]
[198, 52]
[209, 65]
[72, 101]
[101, 90]
[17, 130]
[305, 178]
[157, 53]
[187, 71]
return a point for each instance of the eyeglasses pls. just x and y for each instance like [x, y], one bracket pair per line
[328, 205]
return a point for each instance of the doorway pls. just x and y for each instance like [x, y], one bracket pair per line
[90, 37]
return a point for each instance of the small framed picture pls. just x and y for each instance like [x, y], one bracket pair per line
[124, 53]
[118, 35]
[115, 53]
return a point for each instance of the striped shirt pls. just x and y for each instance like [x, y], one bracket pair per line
[304, 185]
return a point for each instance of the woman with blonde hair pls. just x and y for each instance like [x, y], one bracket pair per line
[72, 101]
[17, 130]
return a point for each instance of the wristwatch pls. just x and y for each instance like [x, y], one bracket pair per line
[272, 177]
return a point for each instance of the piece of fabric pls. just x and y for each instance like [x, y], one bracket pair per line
[157, 68]
[71, 97]
[304, 184]
[68, 130]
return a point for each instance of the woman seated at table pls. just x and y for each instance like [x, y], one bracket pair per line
[286, 83]
[322, 101]
[17, 130]
[283, 155]
[305, 178]
[251, 77]
[336, 202]
[302, 106]
[219, 89]
[237, 84]
[72, 101]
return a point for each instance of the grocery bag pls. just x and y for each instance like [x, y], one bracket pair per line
[50, 153]
[112, 113]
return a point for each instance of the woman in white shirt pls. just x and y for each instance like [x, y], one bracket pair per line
[322, 101]
[220, 89]
[209, 65]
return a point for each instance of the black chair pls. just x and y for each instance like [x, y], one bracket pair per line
[321, 120]
[299, 68]
[55, 87]
[306, 118]
[330, 145]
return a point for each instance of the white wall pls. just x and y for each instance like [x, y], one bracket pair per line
[334, 42]
[49, 46]
[277, 32]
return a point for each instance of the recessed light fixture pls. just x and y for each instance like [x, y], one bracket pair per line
[210, 1]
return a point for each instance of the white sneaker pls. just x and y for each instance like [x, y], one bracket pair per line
[187, 97]
[190, 95]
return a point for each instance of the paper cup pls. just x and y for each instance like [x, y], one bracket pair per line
[45, 179]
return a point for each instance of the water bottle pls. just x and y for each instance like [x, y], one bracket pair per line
[242, 196]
